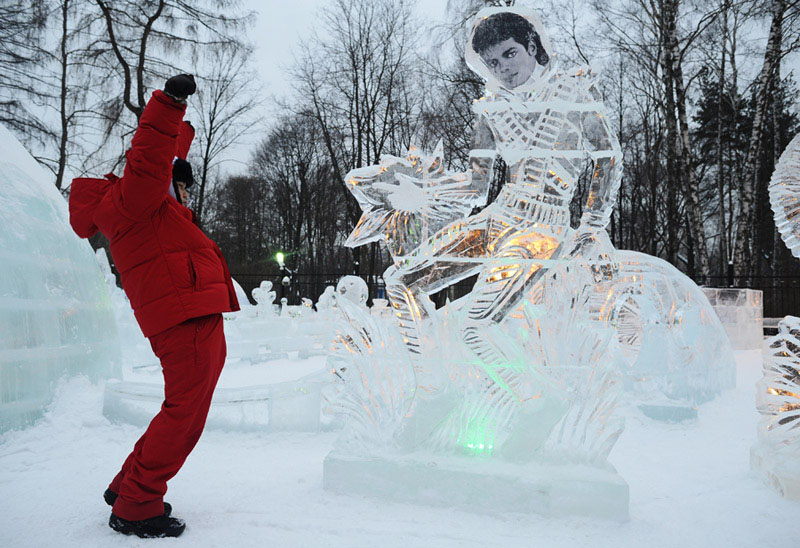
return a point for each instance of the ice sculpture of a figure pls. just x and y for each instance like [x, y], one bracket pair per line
[545, 125]
[527, 366]
[778, 396]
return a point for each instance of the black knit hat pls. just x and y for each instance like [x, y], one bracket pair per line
[182, 172]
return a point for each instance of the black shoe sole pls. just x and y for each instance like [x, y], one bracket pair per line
[142, 530]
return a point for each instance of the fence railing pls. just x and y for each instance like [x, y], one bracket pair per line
[781, 293]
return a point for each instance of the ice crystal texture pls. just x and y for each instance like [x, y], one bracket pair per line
[56, 317]
[532, 360]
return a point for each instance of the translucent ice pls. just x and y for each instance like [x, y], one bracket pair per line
[56, 317]
[548, 298]
[741, 312]
[529, 365]
[784, 195]
[775, 456]
[354, 289]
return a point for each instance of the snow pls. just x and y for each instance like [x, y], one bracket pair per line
[690, 485]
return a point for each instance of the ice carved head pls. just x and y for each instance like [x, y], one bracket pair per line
[354, 289]
[508, 48]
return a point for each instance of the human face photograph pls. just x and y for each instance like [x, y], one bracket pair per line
[510, 62]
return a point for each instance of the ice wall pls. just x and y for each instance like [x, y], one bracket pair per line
[56, 317]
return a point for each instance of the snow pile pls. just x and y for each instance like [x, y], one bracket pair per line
[690, 485]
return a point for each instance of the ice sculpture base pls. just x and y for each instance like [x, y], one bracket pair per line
[291, 406]
[669, 413]
[779, 471]
[482, 484]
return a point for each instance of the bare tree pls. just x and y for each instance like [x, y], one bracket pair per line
[145, 38]
[770, 71]
[356, 75]
[21, 26]
[226, 99]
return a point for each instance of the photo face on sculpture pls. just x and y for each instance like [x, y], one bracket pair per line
[510, 62]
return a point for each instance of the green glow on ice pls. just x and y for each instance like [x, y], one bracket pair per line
[477, 437]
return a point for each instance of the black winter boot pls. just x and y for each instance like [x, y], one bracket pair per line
[111, 497]
[157, 527]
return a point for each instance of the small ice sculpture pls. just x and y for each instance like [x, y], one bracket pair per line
[265, 300]
[778, 397]
[354, 289]
[679, 355]
[327, 300]
[56, 318]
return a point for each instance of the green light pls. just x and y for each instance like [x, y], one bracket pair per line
[279, 257]
[477, 437]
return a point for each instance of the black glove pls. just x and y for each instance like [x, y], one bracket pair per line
[180, 87]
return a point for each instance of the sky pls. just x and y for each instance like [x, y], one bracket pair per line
[278, 28]
[280, 25]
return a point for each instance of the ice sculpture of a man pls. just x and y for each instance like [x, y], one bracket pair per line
[546, 126]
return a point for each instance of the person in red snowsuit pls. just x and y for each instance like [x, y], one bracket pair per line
[178, 285]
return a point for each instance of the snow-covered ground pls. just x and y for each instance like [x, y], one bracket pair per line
[690, 485]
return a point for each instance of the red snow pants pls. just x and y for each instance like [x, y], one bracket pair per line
[192, 354]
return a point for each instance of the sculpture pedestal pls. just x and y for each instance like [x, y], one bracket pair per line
[779, 471]
[482, 484]
[288, 406]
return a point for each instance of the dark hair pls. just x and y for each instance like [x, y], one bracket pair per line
[182, 172]
[504, 25]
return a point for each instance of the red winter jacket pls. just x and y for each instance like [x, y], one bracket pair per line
[170, 270]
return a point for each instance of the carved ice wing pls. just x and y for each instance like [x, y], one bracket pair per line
[784, 195]
[778, 397]
[407, 200]
[377, 380]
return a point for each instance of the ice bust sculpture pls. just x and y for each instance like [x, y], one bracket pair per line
[56, 318]
[527, 367]
[777, 454]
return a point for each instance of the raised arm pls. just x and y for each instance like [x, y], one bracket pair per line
[148, 169]
[604, 152]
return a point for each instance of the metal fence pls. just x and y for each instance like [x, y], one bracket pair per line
[781, 293]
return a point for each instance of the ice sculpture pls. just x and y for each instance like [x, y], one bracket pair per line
[784, 195]
[527, 367]
[775, 455]
[55, 314]
[265, 300]
[676, 351]
[354, 289]
[326, 301]
[135, 349]
[741, 312]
